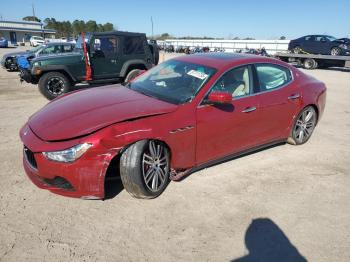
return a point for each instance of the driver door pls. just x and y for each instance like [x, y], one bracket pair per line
[104, 57]
[226, 129]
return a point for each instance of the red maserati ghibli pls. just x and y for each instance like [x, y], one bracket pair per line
[180, 116]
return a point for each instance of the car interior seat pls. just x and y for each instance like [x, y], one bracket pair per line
[242, 77]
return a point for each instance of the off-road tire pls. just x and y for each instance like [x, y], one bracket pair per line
[131, 172]
[131, 75]
[46, 78]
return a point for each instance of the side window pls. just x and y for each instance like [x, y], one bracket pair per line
[133, 45]
[307, 38]
[272, 76]
[320, 38]
[106, 46]
[238, 82]
[67, 48]
[51, 50]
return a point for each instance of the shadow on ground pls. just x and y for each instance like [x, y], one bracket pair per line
[265, 241]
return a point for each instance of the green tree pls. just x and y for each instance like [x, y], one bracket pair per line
[282, 38]
[31, 18]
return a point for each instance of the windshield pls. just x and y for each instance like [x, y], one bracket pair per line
[79, 42]
[331, 38]
[36, 49]
[173, 81]
[38, 38]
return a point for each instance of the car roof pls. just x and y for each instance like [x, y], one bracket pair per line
[58, 43]
[224, 60]
[119, 33]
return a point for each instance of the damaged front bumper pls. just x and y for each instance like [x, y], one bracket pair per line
[84, 178]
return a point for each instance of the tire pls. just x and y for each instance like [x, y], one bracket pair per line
[297, 50]
[140, 169]
[310, 64]
[54, 84]
[303, 126]
[131, 75]
[335, 51]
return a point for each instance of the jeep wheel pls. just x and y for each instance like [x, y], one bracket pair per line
[145, 168]
[131, 75]
[54, 84]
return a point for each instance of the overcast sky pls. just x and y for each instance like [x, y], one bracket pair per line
[268, 19]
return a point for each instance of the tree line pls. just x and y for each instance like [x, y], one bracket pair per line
[68, 29]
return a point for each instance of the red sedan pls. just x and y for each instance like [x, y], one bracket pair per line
[182, 115]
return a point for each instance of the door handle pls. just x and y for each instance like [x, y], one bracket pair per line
[249, 109]
[295, 96]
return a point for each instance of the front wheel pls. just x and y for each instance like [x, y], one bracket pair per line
[145, 168]
[304, 126]
[54, 84]
[335, 51]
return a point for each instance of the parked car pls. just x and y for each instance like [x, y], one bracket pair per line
[3, 42]
[111, 57]
[36, 40]
[159, 127]
[320, 44]
[9, 61]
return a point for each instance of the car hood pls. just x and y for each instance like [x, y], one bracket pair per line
[343, 40]
[83, 112]
[16, 54]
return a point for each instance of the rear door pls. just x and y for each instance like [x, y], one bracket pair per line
[308, 45]
[135, 51]
[279, 100]
[104, 56]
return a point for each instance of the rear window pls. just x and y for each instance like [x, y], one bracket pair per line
[133, 45]
[272, 76]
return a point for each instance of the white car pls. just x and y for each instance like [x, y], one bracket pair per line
[36, 40]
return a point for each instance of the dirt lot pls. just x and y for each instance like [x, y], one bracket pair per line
[286, 203]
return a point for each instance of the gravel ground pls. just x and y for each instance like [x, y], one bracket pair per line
[286, 203]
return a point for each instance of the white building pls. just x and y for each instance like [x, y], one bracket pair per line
[21, 31]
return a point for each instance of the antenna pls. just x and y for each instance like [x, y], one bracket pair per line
[152, 26]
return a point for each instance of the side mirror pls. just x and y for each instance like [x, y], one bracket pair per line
[323, 40]
[220, 98]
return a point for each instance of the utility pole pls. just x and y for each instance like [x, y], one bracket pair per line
[152, 27]
[33, 9]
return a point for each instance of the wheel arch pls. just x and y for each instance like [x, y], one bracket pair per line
[113, 168]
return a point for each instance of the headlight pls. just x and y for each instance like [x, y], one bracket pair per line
[344, 46]
[68, 155]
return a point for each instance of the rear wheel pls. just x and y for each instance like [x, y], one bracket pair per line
[131, 75]
[304, 126]
[54, 84]
[297, 50]
[145, 168]
[335, 51]
[310, 63]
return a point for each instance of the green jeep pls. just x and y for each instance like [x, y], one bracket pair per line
[114, 57]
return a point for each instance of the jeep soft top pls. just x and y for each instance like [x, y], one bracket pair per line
[107, 57]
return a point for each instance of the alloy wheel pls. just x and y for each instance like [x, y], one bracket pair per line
[55, 85]
[335, 51]
[155, 166]
[305, 125]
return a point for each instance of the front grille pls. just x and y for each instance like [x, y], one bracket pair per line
[30, 157]
[59, 182]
